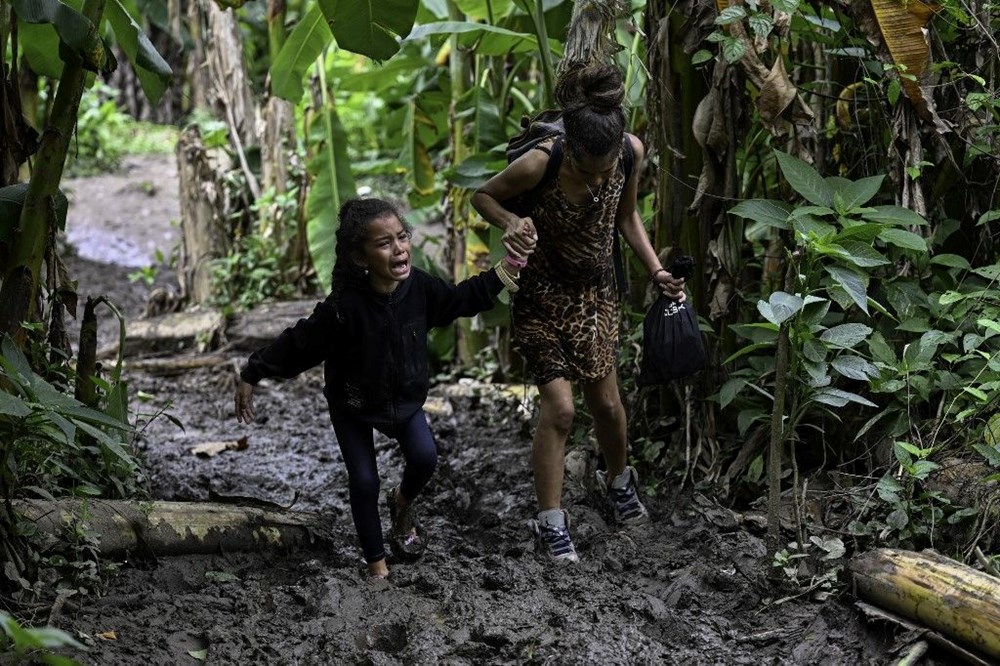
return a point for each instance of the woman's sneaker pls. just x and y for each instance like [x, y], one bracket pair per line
[626, 507]
[404, 536]
[552, 537]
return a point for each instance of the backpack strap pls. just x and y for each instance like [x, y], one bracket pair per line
[628, 165]
[555, 154]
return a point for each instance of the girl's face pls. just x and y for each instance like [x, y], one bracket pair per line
[593, 171]
[386, 253]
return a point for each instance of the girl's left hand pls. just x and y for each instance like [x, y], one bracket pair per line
[244, 402]
[671, 286]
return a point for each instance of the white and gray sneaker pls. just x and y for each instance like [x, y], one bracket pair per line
[623, 496]
[551, 531]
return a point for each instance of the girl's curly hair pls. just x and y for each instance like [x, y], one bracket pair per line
[356, 215]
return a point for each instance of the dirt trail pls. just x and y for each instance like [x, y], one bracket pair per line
[683, 589]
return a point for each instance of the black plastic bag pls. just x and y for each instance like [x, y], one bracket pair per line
[671, 342]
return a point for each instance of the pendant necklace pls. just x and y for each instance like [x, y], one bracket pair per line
[594, 197]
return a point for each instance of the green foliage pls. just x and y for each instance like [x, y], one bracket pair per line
[874, 321]
[253, 272]
[34, 645]
[105, 135]
[51, 442]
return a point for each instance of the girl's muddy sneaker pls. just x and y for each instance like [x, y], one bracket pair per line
[623, 497]
[404, 536]
[552, 536]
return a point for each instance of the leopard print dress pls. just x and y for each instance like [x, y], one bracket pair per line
[565, 313]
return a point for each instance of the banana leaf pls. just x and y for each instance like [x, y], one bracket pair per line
[332, 184]
[78, 37]
[299, 52]
[153, 71]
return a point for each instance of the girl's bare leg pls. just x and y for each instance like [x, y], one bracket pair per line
[549, 447]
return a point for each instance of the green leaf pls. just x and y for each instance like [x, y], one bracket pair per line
[40, 45]
[854, 284]
[729, 15]
[700, 56]
[988, 217]
[766, 211]
[863, 233]
[415, 156]
[859, 192]
[370, 28]
[854, 367]
[153, 71]
[11, 203]
[812, 227]
[845, 335]
[488, 39]
[11, 405]
[904, 239]
[880, 349]
[951, 261]
[730, 390]
[76, 33]
[780, 307]
[787, 6]
[814, 350]
[837, 398]
[896, 215]
[761, 24]
[333, 183]
[805, 180]
[733, 49]
[862, 254]
[301, 49]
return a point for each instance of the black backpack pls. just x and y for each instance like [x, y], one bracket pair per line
[544, 126]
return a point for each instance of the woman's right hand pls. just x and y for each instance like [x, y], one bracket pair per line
[244, 402]
[520, 237]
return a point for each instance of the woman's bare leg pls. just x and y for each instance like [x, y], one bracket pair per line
[610, 425]
[549, 447]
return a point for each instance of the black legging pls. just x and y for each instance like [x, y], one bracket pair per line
[357, 445]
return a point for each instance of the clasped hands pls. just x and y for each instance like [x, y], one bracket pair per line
[520, 238]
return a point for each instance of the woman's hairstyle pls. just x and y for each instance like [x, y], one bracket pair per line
[355, 217]
[591, 99]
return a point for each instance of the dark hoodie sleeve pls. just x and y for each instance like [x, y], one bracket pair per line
[447, 302]
[296, 349]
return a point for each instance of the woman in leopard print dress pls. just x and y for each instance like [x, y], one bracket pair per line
[565, 311]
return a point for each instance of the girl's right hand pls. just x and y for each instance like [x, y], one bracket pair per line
[520, 237]
[244, 402]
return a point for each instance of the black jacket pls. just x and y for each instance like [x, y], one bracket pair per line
[374, 345]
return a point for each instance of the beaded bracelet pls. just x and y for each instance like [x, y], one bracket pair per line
[515, 262]
[652, 276]
[508, 280]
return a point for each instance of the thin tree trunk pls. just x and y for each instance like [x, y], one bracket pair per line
[21, 278]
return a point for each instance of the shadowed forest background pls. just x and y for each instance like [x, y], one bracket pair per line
[833, 168]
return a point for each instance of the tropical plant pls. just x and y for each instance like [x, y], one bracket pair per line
[32, 645]
[63, 42]
[861, 316]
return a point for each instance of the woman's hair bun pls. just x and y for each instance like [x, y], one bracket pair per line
[597, 86]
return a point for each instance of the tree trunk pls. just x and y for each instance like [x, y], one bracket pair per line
[205, 210]
[946, 595]
[179, 528]
[37, 216]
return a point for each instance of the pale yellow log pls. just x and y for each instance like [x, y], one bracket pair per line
[179, 528]
[943, 594]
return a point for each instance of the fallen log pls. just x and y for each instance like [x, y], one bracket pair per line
[945, 595]
[179, 528]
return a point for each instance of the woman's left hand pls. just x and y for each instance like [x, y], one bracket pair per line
[669, 285]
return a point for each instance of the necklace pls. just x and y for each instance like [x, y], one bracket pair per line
[593, 196]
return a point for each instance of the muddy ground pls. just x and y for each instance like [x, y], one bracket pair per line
[686, 589]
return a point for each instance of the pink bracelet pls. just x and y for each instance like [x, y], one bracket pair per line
[514, 262]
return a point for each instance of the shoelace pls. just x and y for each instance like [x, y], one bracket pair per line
[626, 500]
[557, 539]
